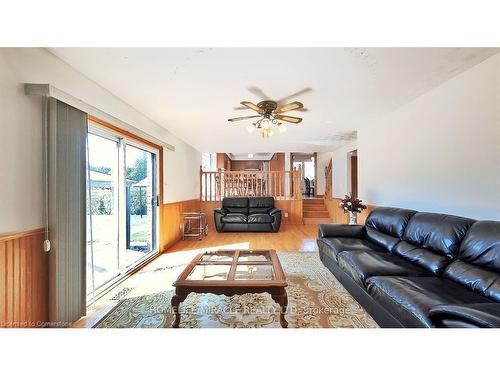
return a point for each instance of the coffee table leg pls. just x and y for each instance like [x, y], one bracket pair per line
[282, 300]
[176, 301]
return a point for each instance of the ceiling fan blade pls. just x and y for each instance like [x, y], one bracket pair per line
[258, 92]
[252, 106]
[289, 107]
[243, 118]
[286, 98]
[295, 120]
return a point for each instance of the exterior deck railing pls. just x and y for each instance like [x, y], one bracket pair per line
[282, 185]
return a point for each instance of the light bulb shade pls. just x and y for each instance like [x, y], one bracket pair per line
[281, 127]
[250, 128]
[270, 132]
[265, 123]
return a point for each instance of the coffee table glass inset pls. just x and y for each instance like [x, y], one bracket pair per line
[231, 272]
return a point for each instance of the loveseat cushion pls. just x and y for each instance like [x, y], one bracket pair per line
[236, 205]
[332, 246]
[260, 218]
[234, 218]
[432, 240]
[260, 205]
[478, 265]
[410, 299]
[361, 265]
[385, 226]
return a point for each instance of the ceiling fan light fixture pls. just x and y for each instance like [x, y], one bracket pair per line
[250, 128]
[281, 127]
[265, 123]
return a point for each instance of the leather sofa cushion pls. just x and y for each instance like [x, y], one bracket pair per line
[332, 246]
[410, 299]
[477, 279]
[267, 202]
[430, 260]
[361, 265]
[439, 233]
[385, 226]
[432, 240]
[236, 205]
[260, 205]
[260, 218]
[478, 264]
[234, 218]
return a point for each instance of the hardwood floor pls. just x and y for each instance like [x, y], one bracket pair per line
[290, 238]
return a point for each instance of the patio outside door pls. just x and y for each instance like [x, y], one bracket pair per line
[121, 208]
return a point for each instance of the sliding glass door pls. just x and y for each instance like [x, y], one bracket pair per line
[122, 207]
[140, 204]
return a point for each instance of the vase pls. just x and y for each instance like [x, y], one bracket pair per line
[353, 218]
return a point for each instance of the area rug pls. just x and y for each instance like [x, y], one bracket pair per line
[315, 300]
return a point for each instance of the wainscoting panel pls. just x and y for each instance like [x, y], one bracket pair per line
[23, 280]
[171, 220]
[339, 217]
[293, 208]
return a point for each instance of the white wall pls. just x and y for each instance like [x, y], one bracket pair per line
[441, 152]
[21, 183]
[21, 136]
[340, 175]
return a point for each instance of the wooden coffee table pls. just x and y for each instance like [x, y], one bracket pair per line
[231, 272]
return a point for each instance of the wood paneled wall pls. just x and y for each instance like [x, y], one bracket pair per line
[339, 217]
[243, 165]
[171, 220]
[223, 161]
[277, 163]
[23, 280]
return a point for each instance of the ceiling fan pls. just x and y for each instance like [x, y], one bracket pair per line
[270, 113]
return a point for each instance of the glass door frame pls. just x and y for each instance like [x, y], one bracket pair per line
[94, 127]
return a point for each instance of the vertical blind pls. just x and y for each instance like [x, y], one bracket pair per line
[66, 145]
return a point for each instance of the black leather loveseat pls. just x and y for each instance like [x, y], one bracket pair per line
[247, 215]
[417, 269]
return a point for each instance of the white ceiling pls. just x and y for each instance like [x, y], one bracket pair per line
[193, 91]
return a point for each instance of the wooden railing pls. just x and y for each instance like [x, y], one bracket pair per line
[328, 181]
[282, 185]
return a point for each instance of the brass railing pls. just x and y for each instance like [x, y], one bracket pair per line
[282, 185]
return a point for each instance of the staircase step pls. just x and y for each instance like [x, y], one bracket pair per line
[313, 201]
[314, 207]
[316, 220]
[316, 214]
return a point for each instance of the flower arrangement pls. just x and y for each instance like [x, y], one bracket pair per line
[351, 204]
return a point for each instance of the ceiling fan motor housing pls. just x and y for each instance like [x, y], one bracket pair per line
[267, 106]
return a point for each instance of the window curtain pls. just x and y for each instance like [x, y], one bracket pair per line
[66, 136]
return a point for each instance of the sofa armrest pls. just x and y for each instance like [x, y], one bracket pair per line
[341, 230]
[218, 214]
[480, 315]
[274, 211]
[220, 211]
[276, 215]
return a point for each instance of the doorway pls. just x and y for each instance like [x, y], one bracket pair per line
[122, 208]
[307, 162]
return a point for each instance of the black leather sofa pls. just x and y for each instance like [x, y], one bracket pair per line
[418, 269]
[247, 215]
